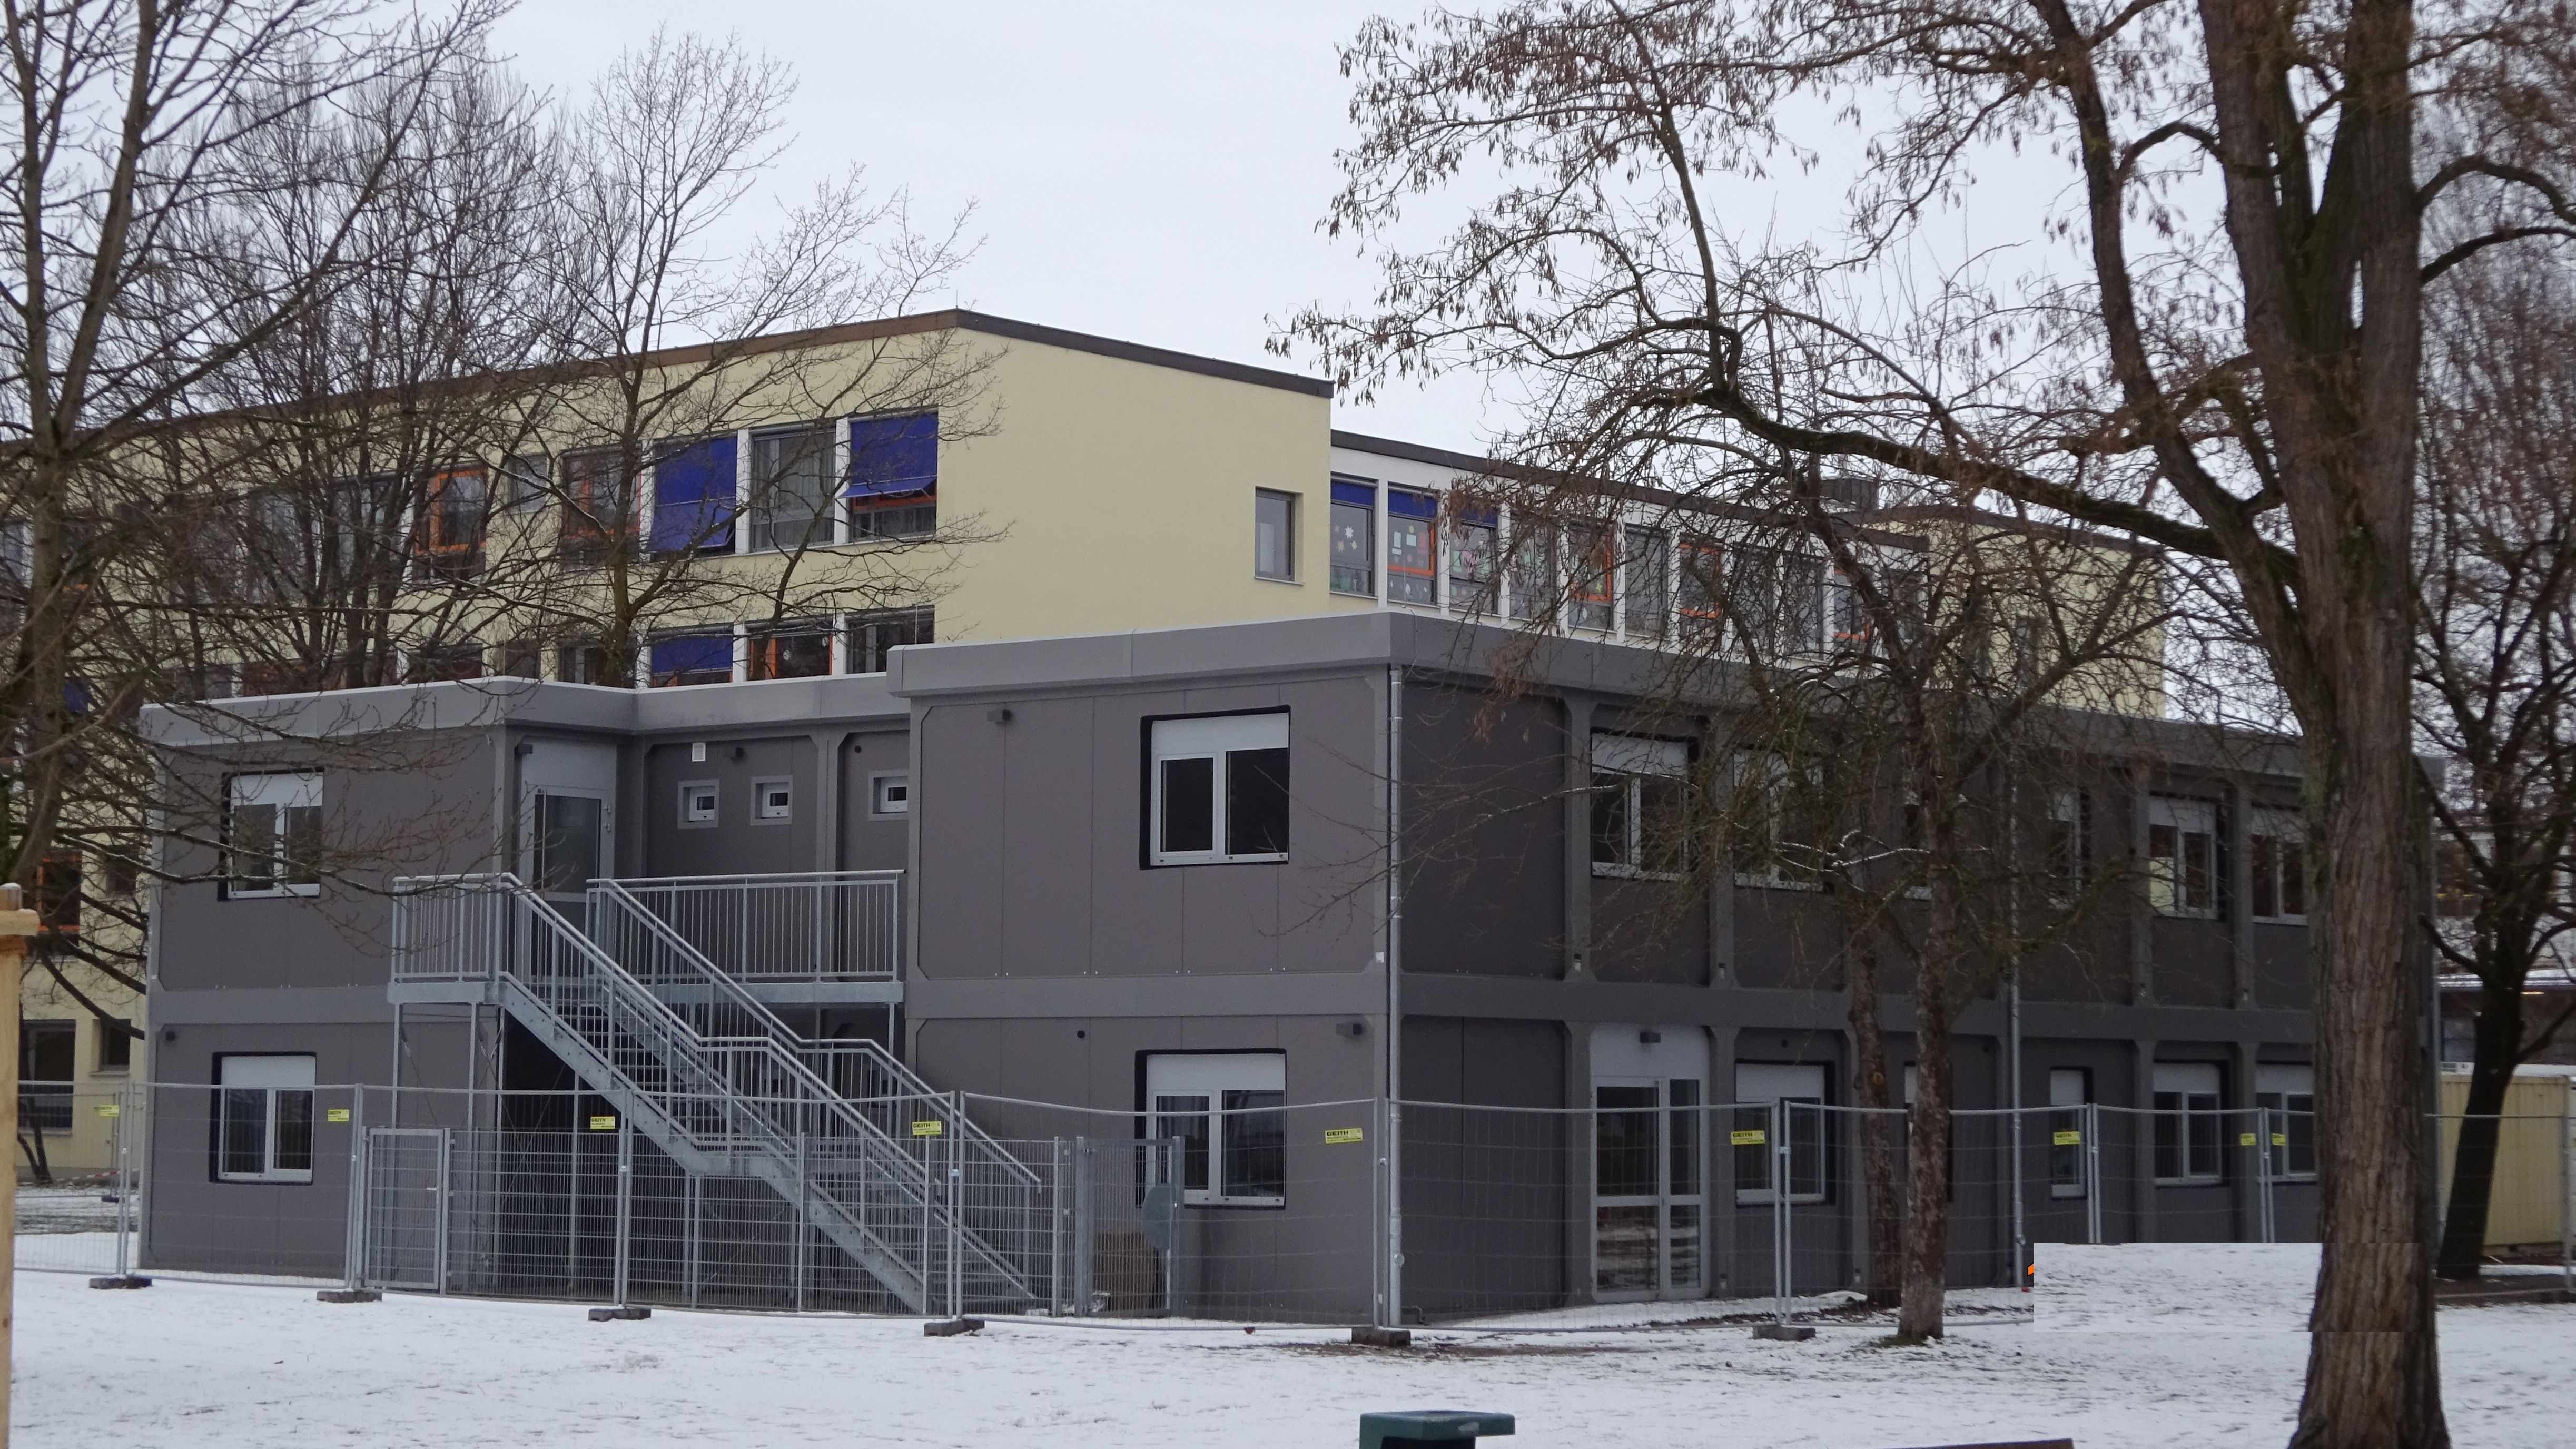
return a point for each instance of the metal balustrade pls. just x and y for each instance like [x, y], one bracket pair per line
[807, 927]
[715, 1081]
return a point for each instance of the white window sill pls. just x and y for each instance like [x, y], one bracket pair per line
[289, 1179]
[1602, 871]
[1169, 860]
[237, 893]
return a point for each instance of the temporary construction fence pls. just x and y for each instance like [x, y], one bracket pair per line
[1326, 1212]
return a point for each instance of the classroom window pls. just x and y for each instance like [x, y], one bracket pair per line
[878, 633]
[596, 505]
[1219, 789]
[1592, 565]
[698, 801]
[273, 835]
[791, 487]
[892, 486]
[264, 1119]
[525, 481]
[1649, 596]
[46, 1049]
[890, 793]
[444, 662]
[2062, 842]
[1641, 817]
[680, 660]
[1757, 1086]
[58, 894]
[448, 543]
[1228, 1111]
[2182, 856]
[1274, 535]
[1531, 581]
[790, 651]
[2288, 1093]
[1354, 537]
[1772, 832]
[2069, 1090]
[115, 1044]
[1471, 548]
[585, 661]
[2276, 851]
[693, 495]
[1412, 546]
[2188, 1140]
[1700, 575]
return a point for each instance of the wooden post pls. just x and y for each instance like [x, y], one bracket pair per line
[16, 925]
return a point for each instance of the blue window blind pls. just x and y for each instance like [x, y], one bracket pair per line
[693, 502]
[1477, 517]
[893, 457]
[1409, 505]
[688, 658]
[1360, 493]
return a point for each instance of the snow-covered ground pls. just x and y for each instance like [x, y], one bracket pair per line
[217, 1365]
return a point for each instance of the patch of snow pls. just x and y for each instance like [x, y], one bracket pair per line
[2174, 1287]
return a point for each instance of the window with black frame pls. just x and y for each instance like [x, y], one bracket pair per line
[1228, 1112]
[2188, 1129]
[1219, 789]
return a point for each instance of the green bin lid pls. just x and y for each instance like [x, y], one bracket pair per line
[1455, 1425]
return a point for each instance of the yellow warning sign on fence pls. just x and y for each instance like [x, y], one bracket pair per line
[107, 1109]
[2066, 1139]
[2280, 1139]
[603, 1124]
[1746, 1137]
[925, 1129]
[1341, 1134]
[335, 1114]
[2244, 1139]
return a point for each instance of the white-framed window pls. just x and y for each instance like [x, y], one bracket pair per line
[1470, 544]
[1773, 834]
[1641, 816]
[2069, 1090]
[1274, 536]
[773, 801]
[264, 1118]
[2276, 857]
[890, 793]
[1220, 789]
[2289, 1093]
[1412, 546]
[1354, 536]
[2182, 856]
[1228, 1109]
[273, 835]
[2190, 1136]
[1646, 610]
[698, 801]
[1757, 1086]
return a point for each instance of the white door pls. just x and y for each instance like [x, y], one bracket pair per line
[1649, 1161]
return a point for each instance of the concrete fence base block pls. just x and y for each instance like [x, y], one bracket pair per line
[608, 1315]
[1784, 1332]
[121, 1280]
[348, 1295]
[1382, 1337]
[952, 1327]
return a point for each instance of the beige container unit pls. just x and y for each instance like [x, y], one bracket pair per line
[2533, 1157]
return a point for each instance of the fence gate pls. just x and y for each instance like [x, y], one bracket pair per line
[406, 1211]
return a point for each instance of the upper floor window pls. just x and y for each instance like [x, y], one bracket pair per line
[790, 650]
[448, 544]
[1228, 1112]
[1649, 595]
[1274, 535]
[1700, 578]
[791, 487]
[2182, 856]
[680, 659]
[893, 481]
[444, 662]
[1640, 806]
[273, 835]
[1471, 549]
[875, 635]
[264, 1119]
[1775, 829]
[1591, 555]
[2064, 851]
[1531, 575]
[595, 504]
[693, 495]
[2276, 855]
[1354, 561]
[1219, 789]
[1412, 546]
[524, 482]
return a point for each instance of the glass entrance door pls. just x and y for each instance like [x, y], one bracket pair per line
[1649, 1199]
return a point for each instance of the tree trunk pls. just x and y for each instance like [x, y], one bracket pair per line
[1878, 1128]
[1927, 1162]
[2464, 1224]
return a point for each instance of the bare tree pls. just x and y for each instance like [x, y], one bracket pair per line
[2227, 367]
[2496, 671]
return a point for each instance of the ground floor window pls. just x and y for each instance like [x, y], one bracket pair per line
[2289, 1096]
[2188, 1129]
[1228, 1112]
[2069, 1089]
[264, 1119]
[45, 1050]
[1757, 1086]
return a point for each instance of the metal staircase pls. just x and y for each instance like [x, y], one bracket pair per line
[720, 1085]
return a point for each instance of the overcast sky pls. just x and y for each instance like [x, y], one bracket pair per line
[1150, 170]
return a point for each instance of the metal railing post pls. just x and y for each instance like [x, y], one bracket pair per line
[1394, 1158]
[697, 1196]
[625, 1202]
[358, 1169]
[956, 1209]
[804, 1213]
[2271, 1168]
[124, 1180]
[2093, 1173]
